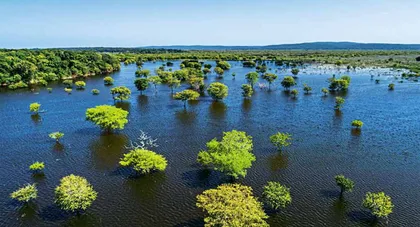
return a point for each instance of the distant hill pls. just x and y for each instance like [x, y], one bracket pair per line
[301, 46]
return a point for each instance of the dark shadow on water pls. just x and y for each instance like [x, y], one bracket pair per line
[363, 217]
[217, 110]
[356, 131]
[338, 113]
[193, 102]
[186, 117]
[191, 223]
[205, 178]
[123, 105]
[58, 147]
[339, 208]
[144, 188]
[28, 212]
[142, 100]
[107, 150]
[38, 177]
[246, 105]
[85, 219]
[278, 161]
[54, 213]
[36, 118]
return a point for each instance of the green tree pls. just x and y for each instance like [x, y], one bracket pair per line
[232, 155]
[155, 80]
[339, 101]
[68, 83]
[80, 84]
[74, 194]
[56, 135]
[276, 195]
[223, 65]
[218, 90]
[295, 72]
[252, 78]
[219, 71]
[231, 205]
[143, 73]
[270, 78]
[325, 91]
[25, 194]
[344, 183]
[288, 82]
[379, 204]
[107, 117]
[339, 84]
[294, 92]
[306, 88]
[108, 80]
[120, 93]
[357, 123]
[281, 140]
[186, 95]
[95, 91]
[247, 90]
[37, 166]
[144, 161]
[34, 107]
[141, 84]
[391, 86]
[173, 83]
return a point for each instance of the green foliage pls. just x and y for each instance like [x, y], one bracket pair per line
[144, 161]
[95, 91]
[49, 90]
[36, 166]
[186, 95]
[344, 183]
[247, 90]
[219, 71]
[339, 84]
[143, 73]
[68, 90]
[252, 78]
[357, 123]
[306, 88]
[120, 93]
[391, 86]
[325, 91]
[74, 193]
[270, 78]
[80, 84]
[107, 117]
[223, 65]
[56, 135]
[339, 101]
[173, 82]
[108, 80]
[34, 107]
[231, 205]
[18, 85]
[232, 155]
[218, 90]
[295, 71]
[197, 83]
[249, 64]
[276, 195]
[25, 194]
[141, 84]
[155, 80]
[68, 83]
[288, 82]
[281, 140]
[378, 203]
[294, 92]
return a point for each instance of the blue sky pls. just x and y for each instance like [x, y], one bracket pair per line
[61, 23]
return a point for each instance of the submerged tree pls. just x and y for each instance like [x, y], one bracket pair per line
[108, 80]
[281, 140]
[95, 91]
[173, 82]
[232, 155]
[218, 91]
[141, 84]
[144, 161]
[294, 92]
[34, 107]
[276, 195]
[219, 71]
[391, 86]
[120, 93]
[186, 95]
[107, 117]
[306, 88]
[379, 204]
[231, 205]
[325, 91]
[247, 90]
[252, 78]
[357, 123]
[339, 84]
[344, 183]
[80, 84]
[25, 194]
[288, 82]
[143, 73]
[270, 78]
[155, 80]
[339, 101]
[74, 194]
[56, 135]
[295, 72]
[37, 167]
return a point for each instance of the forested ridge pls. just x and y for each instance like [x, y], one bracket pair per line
[20, 68]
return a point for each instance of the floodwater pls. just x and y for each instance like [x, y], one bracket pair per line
[382, 157]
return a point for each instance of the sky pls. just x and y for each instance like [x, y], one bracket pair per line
[136, 23]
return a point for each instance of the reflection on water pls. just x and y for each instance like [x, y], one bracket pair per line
[186, 117]
[36, 118]
[278, 161]
[145, 187]
[107, 150]
[58, 147]
[356, 131]
[217, 110]
[123, 105]
[246, 105]
[28, 212]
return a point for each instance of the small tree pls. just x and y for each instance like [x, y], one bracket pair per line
[231, 205]
[186, 95]
[144, 161]
[295, 72]
[339, 102]
[232, 155]
[276, 195]
[219, 71]
[379, 204]
[141, 84]
[74, 194]
[107, 117]
[95, 91]
[80, 84]
[120, 93]
[357, 123]
[56, 135]
[108, 80]
[223, 65]
[34, 107]
[294, 92]
[143, 73]
[155, 80]
[68, 83]
[173, 83]
[252, 78]
[270, 78]
[247, 90]
[288, 82]
[218, 91]
[391, 86]
[281, 140]
[37, 166]
[325, 91]
[306, 88]
[25, 194]
[344, 183]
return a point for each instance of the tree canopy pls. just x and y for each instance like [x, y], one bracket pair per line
[144, 161]
[107, 117]
[218, 90]
[120, 93]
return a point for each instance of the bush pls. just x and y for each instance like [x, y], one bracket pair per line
[276, 195]
[18, 85]
[37, 166]
[357, 123]
[34, 107]
[80, 84]
[247, 90]
[379, 204]
[108, 80]
[95, 91]
[339, 102]
[281, 140]
[218, 90]
[144, 161]
[107, 117]
[56, 135]
[120, 93]
[74, 193]
[25, 194]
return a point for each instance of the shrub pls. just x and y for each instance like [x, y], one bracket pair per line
[80, 84]
[144, 161]
[218, 90]
[56, 135]
[344, 183]
[339, 101]
[37, 166]
[379, 204]
[34, 107]
[95, 91]
[74, 193]
[276, 195]
[247, 90]
[120, 93]
[108, 80]
[281, 140]
[25, 194]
